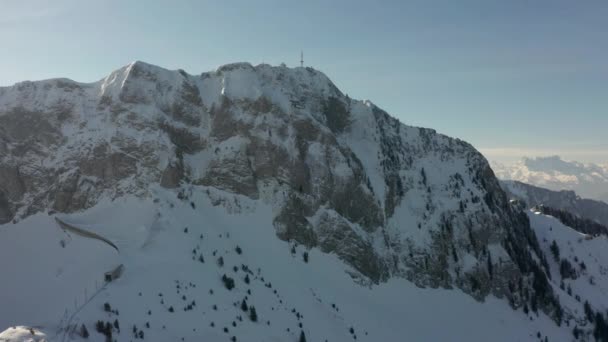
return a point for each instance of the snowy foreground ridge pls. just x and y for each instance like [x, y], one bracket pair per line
[262, 204]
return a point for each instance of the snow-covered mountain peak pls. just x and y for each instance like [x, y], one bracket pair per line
[337, 175]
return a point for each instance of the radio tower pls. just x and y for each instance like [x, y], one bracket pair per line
[302, 58]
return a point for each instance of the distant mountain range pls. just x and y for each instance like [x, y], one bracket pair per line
[554, 173]
[567, 200]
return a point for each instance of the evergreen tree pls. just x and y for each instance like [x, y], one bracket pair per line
[576, 332]
[566, 270]
[244, 306]
[423, 174]
[302, 336]
[555, 251]
[534, 303]
[108, 331]
[84, 332]
[228, 282]
[253, 316]
[588, 311]
[100, 327]
[454, 255]
[601, 327]
[490, 267]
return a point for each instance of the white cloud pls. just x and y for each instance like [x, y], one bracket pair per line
[511, 154]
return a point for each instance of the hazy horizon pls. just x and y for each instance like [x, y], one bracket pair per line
[514, 79]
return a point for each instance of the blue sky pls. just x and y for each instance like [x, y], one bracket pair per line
[513, 77]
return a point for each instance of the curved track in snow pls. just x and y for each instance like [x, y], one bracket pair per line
[85, 233]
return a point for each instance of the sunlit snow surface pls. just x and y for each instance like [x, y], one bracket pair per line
[41, 280]
[22, 334]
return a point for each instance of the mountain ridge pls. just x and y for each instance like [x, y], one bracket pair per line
[565, 200]
[341, 175]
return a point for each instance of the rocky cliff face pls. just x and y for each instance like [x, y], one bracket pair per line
[343, 176]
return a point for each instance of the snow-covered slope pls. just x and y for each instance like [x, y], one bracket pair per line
[278, 162]
[588, 180]
[579, 267]
[164, 270]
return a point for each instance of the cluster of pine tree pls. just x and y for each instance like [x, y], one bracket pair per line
[104, 329]
[580, 224]
[521, 244]
[600, 331]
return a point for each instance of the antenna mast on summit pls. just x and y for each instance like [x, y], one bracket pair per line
[302, 58]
